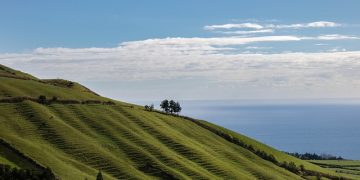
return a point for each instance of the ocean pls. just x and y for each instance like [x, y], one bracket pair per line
[315, 127]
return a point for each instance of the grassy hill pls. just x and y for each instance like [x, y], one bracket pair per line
[77, 139]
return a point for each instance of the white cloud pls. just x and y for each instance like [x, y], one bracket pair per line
[255, 28]
[218, 41]
[230, 26]
[248, 32]
[337, 49]
[322, 24]
[185, 57]
[318, 24]
[331, 37]
[212, 60]
[321, 44]
[268, 27]
[336, 37]
[257, 47]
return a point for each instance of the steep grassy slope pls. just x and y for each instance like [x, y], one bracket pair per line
[123, 140]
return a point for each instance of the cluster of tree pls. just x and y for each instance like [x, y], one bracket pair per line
[7, 172]
[266, 156]
[313, 156]
[170, 106]
[149, 107]
[291, 166]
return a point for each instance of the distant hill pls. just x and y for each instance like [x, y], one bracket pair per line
[77, 133]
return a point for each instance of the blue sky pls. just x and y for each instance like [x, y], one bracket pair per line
[79, 24]
[135, 50]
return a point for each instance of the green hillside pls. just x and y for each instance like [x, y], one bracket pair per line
[79, 134]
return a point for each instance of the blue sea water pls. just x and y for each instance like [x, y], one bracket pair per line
[331, 128]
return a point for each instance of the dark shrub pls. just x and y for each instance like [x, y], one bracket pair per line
[149, 108]
[292, 167]
[146, 107]
[91, 102]
[108, 103]
[302, 167]
[69, 101]
[42, 99]
[99, 176]
[54, 98]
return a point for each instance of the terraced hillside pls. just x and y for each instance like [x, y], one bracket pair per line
[124, 141]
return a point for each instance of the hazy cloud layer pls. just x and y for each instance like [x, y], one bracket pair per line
[211, 60]
[173, 58]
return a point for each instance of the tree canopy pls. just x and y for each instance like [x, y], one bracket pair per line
[170, 106]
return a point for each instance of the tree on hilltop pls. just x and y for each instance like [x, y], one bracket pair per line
[178, 108]
[165, 105]
[170, 106]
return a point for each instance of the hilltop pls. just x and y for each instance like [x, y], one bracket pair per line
[77, 133]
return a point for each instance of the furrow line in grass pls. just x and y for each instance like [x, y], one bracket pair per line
[49, 134]
[154, 150]
[100, 131]
[135, 155]
[181, 149]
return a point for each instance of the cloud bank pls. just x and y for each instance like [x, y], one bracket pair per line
[173, 58]
[211, 60]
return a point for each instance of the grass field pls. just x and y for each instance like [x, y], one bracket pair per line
[349, 167]
[123, 141]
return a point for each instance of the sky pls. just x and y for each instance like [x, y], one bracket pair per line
[188, 50]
